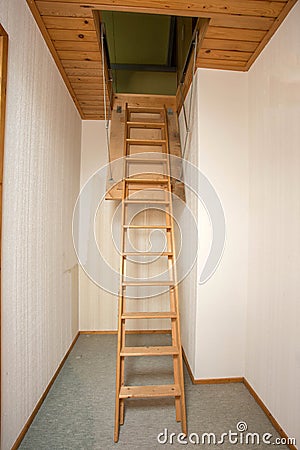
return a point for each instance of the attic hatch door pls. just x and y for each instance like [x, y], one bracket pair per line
[142, 52]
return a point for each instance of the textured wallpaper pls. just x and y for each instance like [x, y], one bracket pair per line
[273, 315]
[41, 183]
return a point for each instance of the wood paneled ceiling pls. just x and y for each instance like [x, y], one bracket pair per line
[237, 32]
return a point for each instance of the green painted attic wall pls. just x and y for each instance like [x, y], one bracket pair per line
[135, 82]
[139, 39]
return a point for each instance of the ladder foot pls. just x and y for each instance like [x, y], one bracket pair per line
[122, 408]
[178, 409]
[116, 435]
[183, 421]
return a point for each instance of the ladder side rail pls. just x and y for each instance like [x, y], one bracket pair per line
[176, 324]
[119, 407]
[172, 272]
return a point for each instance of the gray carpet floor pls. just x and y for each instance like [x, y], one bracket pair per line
[78, 412]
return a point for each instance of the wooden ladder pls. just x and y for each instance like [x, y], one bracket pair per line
[138, 183]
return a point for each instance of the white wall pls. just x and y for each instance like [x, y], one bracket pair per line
[188, 289]
[97, 309]
[220, 148]
[223, 131]
[273, 315]
[41, 182]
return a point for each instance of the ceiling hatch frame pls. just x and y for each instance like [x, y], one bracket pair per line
[185, 75]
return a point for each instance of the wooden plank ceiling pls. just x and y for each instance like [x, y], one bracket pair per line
[238, 31]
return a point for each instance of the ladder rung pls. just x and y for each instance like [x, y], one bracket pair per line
[145, 201]
[145, 141]
[144, 109]
[149, 315]
[167, 390]
[146, 180]
[148, 283]
[148, 227]
[147, 254]
[130, 159]
[149, 351]
[149, 125]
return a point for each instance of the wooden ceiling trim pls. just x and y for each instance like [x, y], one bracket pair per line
[201, 8]
[92, 112]
[89, 93]
[218, 19]
[95, 105]
[77, 35]
[93, 117]
[73, 71]
[69, 23]
[76, 46]
[86, 80]
[53, 52]
[81, 85]
[223, 65]
[81, 64]
[64, 9]
[289, 5]
[80, 55]
[93, 109]
[91, 102]
[87, 101]
[224, 55]
[222, 44]
[250, 22]
[235, 34]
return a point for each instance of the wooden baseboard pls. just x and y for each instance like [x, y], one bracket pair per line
[187, 364]
[44, 395]
[98, 332]
[243, 380]
[272, 419]
[127, 332]
[224, 380]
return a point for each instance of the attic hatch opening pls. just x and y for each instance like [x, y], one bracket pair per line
[147, 53]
